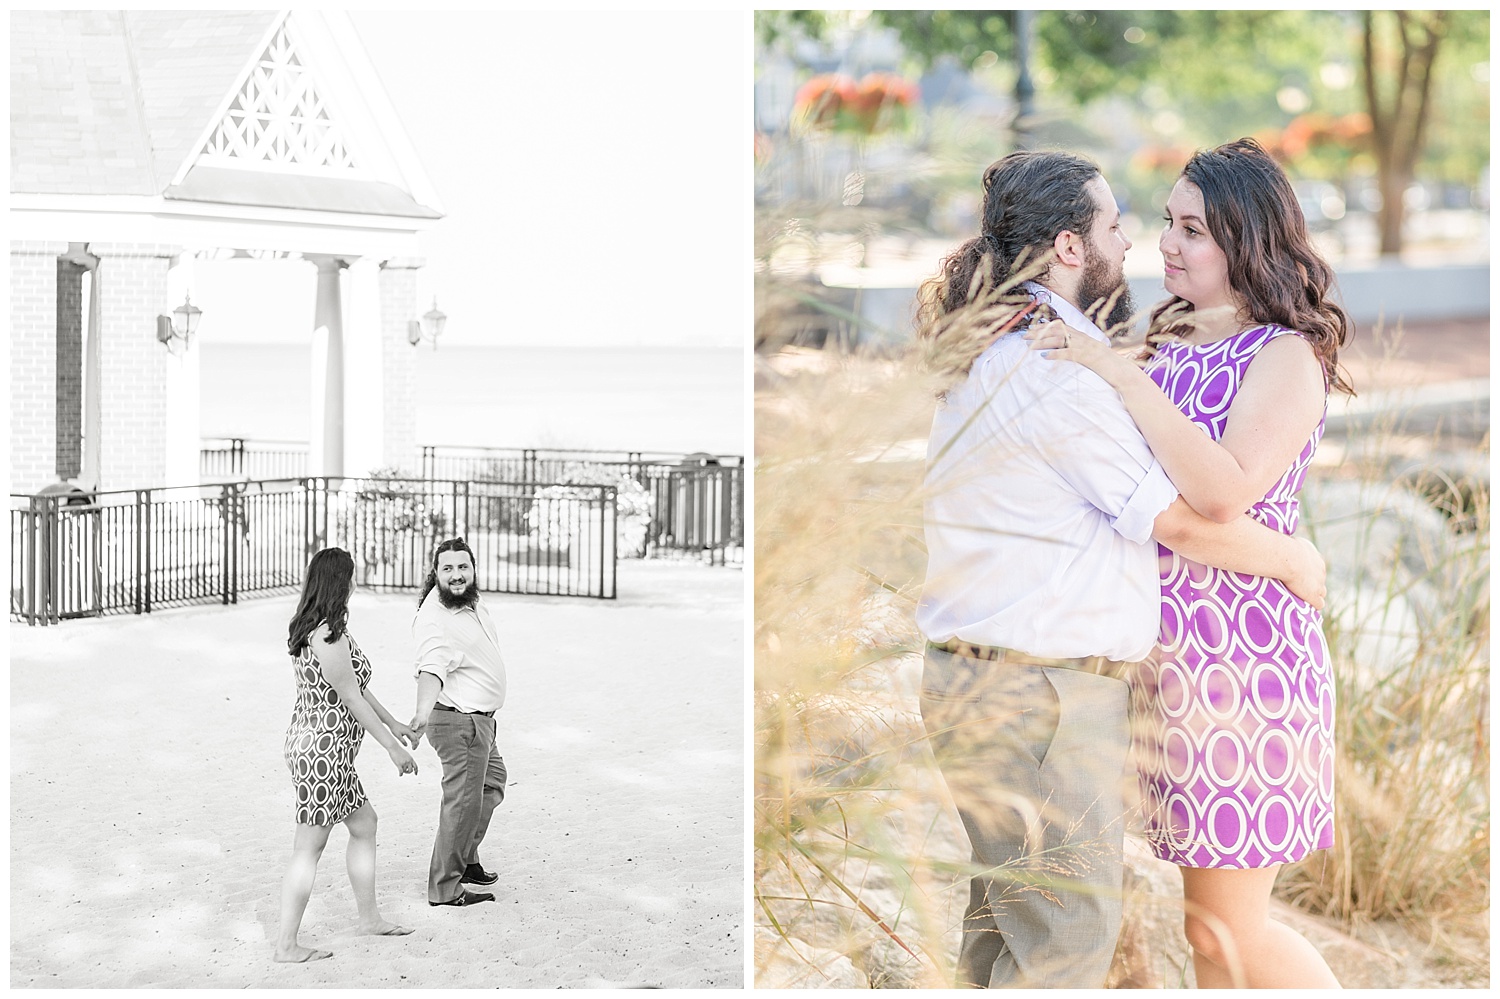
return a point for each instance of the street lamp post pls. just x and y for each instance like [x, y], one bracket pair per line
[1025, 91]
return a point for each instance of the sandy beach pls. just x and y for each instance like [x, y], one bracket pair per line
[151, 812]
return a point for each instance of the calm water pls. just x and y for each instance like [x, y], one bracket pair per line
[635, 399]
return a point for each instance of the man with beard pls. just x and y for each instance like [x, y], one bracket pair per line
[460, 686]
[1042, 501]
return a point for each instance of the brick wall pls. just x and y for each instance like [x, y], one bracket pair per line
[33, 364]
[131, 282]
[398, 291]
[70, 321]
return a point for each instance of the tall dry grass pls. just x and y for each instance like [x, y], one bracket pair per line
[843, 802]
[859, 879]
[859, 872]
[1405, 523]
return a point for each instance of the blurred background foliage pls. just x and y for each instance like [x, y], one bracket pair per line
[1389, 108]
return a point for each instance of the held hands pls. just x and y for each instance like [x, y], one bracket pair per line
[1308, 577]
[403, 760]
[405, 733]
[417, 728]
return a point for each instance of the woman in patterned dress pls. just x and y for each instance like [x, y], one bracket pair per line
[332, 714]
[1234, 709]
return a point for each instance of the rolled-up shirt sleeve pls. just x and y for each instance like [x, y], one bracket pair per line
[1153, 495]
[435, 653]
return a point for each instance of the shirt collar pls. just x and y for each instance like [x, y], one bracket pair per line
[1066, 310]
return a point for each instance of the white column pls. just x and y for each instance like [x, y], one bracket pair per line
[183, 383]
[364, 405]
[326, 428]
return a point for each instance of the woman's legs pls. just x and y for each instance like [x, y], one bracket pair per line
[1228, 922]
[296, 889]
[361, 862]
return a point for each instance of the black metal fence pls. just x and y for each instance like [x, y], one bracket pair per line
[685, 504]
[224, 459]
[132, 551]
[670, 504]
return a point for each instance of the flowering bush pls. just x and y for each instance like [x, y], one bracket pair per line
[388, 507]
[551, 518]
[1308, 131]
[878, 102]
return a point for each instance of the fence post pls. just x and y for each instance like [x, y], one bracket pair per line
[41, 554]
[612, 538]
[228, 522]
[456, 529]
[143, 496]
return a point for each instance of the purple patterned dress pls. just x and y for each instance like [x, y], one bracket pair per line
[1233, 711]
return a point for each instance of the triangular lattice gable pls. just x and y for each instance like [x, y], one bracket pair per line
[277, 118]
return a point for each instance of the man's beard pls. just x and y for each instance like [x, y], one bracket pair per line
[1097, 284]
[467, 598]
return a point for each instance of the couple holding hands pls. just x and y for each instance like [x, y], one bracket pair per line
[460, 686]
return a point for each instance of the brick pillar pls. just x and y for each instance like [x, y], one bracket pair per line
[33, 364]
[398, 306]
[70, 320]
[131, 286]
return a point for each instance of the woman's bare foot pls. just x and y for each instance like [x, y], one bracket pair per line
[298, 954]
[381, 928]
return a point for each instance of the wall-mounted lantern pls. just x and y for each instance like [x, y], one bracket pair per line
[428, 328]
[180, 326]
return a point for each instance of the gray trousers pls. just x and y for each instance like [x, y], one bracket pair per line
[473, 784]
[1036, 758]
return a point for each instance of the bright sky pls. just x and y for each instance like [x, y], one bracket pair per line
[594, 168]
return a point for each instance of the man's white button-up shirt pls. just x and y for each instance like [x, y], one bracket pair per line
[459, 646]
[1041, 495]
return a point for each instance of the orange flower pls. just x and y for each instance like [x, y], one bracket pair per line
[831, 99]
[820, 99]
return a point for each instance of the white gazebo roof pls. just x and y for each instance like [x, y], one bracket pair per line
[247, 128]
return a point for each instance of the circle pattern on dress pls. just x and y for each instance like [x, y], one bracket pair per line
[322, 742]
[1233, 711]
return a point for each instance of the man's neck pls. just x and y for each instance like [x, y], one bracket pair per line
[1067, 293]
[1069, 311]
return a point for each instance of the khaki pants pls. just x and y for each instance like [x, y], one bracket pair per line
[473, 784]
[1036, 759]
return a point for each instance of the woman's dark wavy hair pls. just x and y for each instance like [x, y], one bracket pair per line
[1029, 197]
[325, 597]
[451, 545]
[1252, 213]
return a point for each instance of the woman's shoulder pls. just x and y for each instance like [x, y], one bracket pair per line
[1282, 339]
[1264, 339]
[322, 635]
[1263, 333]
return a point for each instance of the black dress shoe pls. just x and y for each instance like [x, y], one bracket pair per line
[476, 875]
[467, 898]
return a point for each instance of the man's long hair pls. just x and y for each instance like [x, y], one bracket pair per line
[1029, 197]
[325, 597]
[451, 545]
[1253, 215]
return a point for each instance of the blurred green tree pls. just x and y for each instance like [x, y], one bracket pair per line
[1399, 50]
[1251, 73]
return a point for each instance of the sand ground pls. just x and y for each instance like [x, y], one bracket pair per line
[151, 812]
